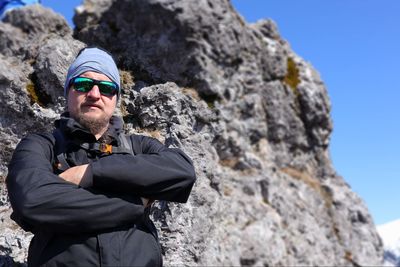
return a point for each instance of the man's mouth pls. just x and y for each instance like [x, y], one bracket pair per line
[91, 105]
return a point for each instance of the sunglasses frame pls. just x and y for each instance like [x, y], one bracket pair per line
[102, 85]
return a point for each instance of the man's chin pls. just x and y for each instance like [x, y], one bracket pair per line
[94, 122]
[91, 114]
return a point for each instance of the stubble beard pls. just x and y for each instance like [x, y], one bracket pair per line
[94, 125]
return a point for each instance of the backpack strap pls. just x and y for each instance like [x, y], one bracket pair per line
[124, 148]
[134, 143]
[126, 144]
[130, 146]
[60, 163]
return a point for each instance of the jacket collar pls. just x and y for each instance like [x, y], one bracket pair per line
[76, 131]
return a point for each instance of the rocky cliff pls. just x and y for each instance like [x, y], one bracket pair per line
[253, 115]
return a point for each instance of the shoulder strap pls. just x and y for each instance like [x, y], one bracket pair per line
[60, 163]
[127, 145]
[135, 144]
[131, 146]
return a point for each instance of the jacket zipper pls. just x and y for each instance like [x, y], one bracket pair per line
[100, 251]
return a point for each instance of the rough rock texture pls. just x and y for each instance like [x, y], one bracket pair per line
[252, 114]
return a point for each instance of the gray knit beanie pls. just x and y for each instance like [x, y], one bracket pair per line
[96, 60]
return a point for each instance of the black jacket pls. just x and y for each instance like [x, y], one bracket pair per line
[103, 223]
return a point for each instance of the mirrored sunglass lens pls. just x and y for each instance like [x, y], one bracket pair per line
[83, 85]
[107, 88]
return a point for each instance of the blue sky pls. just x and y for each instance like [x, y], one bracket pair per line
[355, 46]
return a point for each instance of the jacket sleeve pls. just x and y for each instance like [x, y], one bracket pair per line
[42, 200]
[158, 173]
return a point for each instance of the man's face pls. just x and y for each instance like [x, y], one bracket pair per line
[92, 109]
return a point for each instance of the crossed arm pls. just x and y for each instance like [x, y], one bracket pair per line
[158, 173]
[79, 174]
[41, 199]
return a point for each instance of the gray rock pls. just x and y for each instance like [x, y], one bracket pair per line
[253, 116]
[25, 29]
[54, 57]
[38, 20]
[199, 44]
[13, 240]
[12, 40]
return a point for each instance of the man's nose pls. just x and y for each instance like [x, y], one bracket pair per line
[94, 93]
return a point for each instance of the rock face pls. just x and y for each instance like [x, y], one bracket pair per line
[253, 116]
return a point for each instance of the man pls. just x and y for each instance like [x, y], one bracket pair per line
[95, 213]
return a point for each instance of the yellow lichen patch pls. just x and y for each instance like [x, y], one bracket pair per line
[227, 191]
[310, 181]
[157, 135]
[292, 77]
[229, 162]
[152, 133]
[191, 92]
[127, 79]
[348, 256]
[30, 87]
[210, 100]
[35, 93]
[123, 109]
[326, 196]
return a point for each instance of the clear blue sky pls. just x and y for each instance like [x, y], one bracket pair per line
[355, 46]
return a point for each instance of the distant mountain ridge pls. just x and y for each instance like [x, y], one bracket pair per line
[390, 234]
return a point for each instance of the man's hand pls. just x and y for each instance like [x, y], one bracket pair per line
[76, 174]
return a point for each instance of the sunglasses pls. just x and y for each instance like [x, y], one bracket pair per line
[84, 85]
